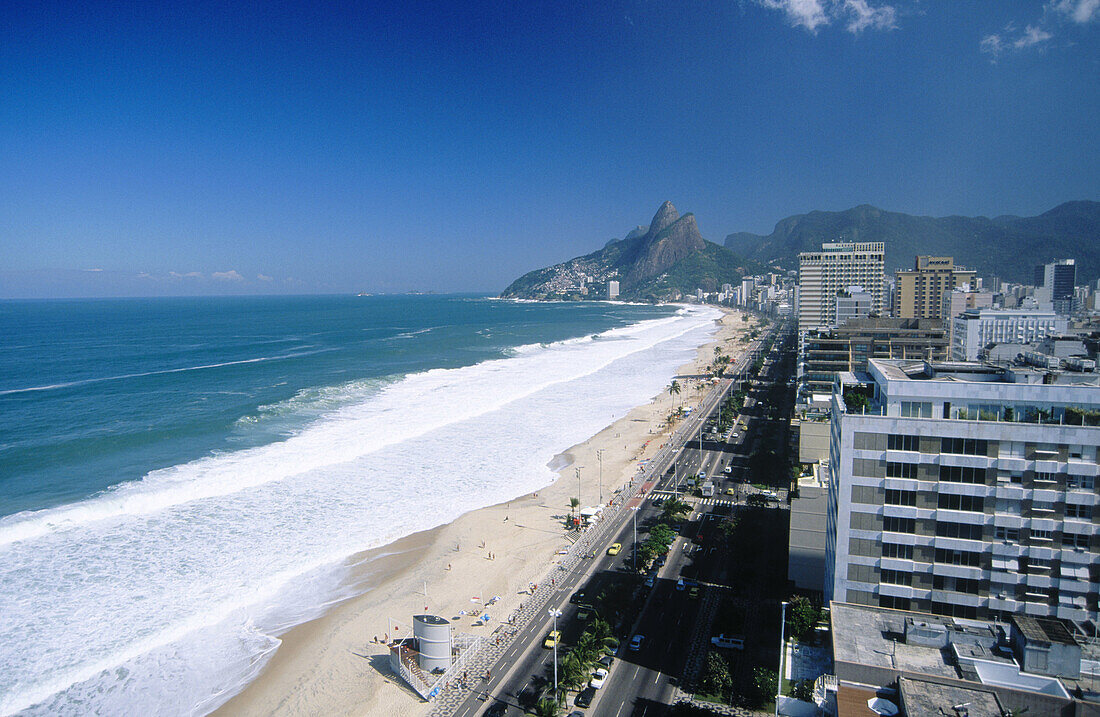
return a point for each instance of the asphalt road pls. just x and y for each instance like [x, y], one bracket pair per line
[641, 682]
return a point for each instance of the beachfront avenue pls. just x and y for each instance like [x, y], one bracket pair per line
[666, 612]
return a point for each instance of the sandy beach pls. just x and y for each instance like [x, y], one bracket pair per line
[333, 664]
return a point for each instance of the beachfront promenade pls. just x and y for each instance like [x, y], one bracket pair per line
[528, 623]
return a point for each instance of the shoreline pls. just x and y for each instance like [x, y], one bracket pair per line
[331, 663]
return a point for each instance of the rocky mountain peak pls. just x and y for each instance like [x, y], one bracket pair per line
[664, 218]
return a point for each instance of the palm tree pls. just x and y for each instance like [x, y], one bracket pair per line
[573, 503]
[674, 508]
[547, 707]
[674, 388]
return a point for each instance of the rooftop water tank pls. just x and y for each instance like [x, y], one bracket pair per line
[433, 635]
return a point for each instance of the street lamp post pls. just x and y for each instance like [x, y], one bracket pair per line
[782, 650]
[556, 614]
[599, 454]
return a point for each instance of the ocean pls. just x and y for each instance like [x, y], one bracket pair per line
[181, 480]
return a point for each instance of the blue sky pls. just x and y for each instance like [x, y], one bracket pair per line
[191, 148]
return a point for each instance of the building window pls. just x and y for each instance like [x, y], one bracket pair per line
[969, 612]
[962, 474]
[964, 446]
[1043, 506]
[1080, 482]
[897, 577]
[954, 584]
[916, 409]
[901, 470]
[1044, 535]
[901, 497]
[958, 557]
[894, 603]
[893, 524]
[1080, 512]
[1009, 535]
[897, 550]
[902, 443]
[1046, 477]
[1075, 540]
[963, 531]
[1038, 566]
[971, 503]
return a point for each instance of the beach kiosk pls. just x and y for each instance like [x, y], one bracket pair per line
[428, 658]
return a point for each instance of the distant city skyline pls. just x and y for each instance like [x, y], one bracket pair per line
[155, 149]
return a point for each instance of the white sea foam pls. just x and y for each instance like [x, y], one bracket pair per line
[164, 595]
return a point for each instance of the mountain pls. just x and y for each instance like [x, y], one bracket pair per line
[653, 263]
[1008, 246]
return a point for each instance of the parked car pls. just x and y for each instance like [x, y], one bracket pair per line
[606, 661]
[497, 709]
[636, 642]
[693, 593]
[584, 699]
[598, 678]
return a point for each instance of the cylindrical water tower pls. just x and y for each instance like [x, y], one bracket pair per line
[433, 636]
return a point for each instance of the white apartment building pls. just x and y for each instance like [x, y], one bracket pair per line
[823, 274]
[974, 329]
[966, 490]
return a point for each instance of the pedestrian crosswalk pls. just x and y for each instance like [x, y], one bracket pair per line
[665, 494]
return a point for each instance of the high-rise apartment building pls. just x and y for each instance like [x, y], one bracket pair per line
[964, 489]
[918, 294]
[1058, 278]
[612, 289]
[824, 274]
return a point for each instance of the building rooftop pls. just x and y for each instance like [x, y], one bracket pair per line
[919, 697]
[1043, 631]
[877, 637]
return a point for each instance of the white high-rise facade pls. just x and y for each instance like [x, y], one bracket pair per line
[965, 489]
[823, 274]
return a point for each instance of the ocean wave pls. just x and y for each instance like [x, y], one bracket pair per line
[161, 372]
[162, 596]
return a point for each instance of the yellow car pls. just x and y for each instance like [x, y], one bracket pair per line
[552, 639]
[731, 491]
[615, 549]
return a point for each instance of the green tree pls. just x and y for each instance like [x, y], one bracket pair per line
[803, 690]
[802, 617]
[547, 707]
[674, 388]
[573, 503]
[716, 676]
[674, 509]
[763, 686]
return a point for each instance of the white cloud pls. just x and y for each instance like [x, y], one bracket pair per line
[93, 270]
[809, 14]
[264, 277]
[230, 275]
[862, 16]
[859, 15]
[1032, 36]
[188, 275]
[1080, 11]
[1011, 38]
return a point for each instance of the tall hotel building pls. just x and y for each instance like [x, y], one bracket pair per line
[823, 274]
[965, 489]
[918, 294]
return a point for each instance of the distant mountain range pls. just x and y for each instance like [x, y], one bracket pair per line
[1008, 246]
[653, 263]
